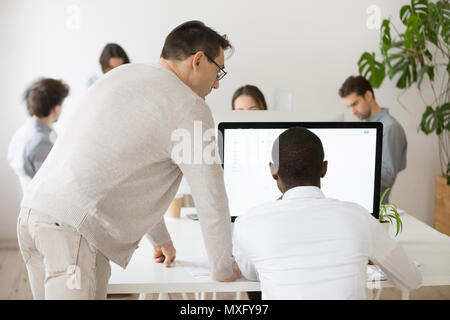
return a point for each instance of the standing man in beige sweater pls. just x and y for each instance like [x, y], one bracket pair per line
[112, 173]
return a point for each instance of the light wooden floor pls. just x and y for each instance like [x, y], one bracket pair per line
[14, 285]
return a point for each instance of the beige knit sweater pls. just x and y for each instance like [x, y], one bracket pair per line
[111, 174]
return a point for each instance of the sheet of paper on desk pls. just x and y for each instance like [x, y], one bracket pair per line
[196, 266]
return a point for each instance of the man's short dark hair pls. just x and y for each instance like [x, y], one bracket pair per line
[298, 155]
[112, 50]
[355, 84]
[45, 94]
[190, 37]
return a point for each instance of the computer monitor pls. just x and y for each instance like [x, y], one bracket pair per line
[275, 116]
[352, 149]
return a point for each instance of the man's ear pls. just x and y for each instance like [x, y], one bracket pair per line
[273, 171]
[56, 110]
[55, 113]
[196, 60]
[323, 172]
[368, 96]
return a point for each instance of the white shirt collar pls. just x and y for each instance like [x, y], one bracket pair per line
[303, 192]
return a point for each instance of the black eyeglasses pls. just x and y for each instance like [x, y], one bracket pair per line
[221, 73]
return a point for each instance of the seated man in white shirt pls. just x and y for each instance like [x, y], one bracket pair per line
[307, 246]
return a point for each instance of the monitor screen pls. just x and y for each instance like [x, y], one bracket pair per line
[352, 149]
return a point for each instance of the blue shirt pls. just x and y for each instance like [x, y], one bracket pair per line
[393, 159]
[29, 147]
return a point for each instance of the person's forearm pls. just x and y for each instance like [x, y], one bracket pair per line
[246, 267]
[206, 181]
[216, 229]
[400, 270]
[211, 202]
[158, 234]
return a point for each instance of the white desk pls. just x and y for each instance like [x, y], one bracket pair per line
[144, 276]
[422, 243]
[427, 246]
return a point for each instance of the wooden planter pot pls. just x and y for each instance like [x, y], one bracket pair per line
[442, 206]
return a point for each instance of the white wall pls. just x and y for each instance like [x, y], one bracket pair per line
[307, 47]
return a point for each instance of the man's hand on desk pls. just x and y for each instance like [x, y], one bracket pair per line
[164, 253]
[236, 273]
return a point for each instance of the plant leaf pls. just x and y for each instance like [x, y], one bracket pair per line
[405, 13]
[429, 70]
[427, 124]
[405, 78]
[371, 69]
[398, 66]
[420, 8]
[382, 197]
[398, 220]
[385, 37]
[436, 119]
[441, 16]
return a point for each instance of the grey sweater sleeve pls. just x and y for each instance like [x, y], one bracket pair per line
[203, 172]
[159, 233]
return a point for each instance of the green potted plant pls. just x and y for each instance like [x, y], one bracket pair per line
[389, 214]
[420, 52]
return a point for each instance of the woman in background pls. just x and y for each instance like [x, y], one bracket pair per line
[248, 97]
[112, 56]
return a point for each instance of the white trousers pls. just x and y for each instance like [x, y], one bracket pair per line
[61, 263]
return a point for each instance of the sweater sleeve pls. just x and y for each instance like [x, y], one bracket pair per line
[392, 259]
[37, 153]
[194, 150]
[159, 233]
